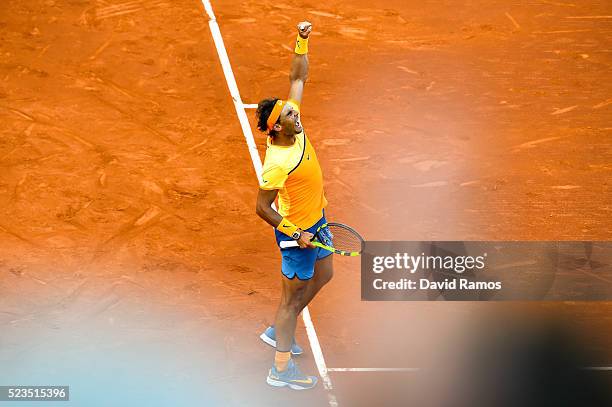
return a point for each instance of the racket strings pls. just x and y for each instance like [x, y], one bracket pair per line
[344, 239]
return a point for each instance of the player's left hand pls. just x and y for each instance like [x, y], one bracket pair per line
[304, 29]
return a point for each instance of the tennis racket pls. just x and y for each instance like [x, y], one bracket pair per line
[335, 237]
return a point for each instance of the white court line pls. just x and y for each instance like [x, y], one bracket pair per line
[373, 369]
[316, 350]
[418, 369]
[248, 135]
[233, 88]
[250, 106]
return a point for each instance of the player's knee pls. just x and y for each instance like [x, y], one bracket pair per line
[293, 303]
[294, 307]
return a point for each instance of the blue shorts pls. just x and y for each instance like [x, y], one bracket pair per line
[301, 262]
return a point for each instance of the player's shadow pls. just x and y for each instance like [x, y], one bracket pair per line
[439, 276]
[573, 261]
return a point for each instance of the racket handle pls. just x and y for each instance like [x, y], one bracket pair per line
[288, 243]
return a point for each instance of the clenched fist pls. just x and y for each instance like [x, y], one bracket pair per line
[304, 29]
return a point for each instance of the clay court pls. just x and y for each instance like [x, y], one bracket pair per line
[132, 264]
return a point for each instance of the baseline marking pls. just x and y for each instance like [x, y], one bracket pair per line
[315, 346]
[418, 369]
[373, 369]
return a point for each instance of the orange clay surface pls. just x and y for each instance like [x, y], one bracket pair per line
[127, 220]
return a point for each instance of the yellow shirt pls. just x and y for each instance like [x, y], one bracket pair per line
[296, 173]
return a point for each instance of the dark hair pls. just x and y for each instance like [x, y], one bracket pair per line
[264, 108]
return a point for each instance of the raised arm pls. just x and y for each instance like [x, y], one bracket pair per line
[299, 65]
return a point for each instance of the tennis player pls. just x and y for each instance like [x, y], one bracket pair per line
[292, 173]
